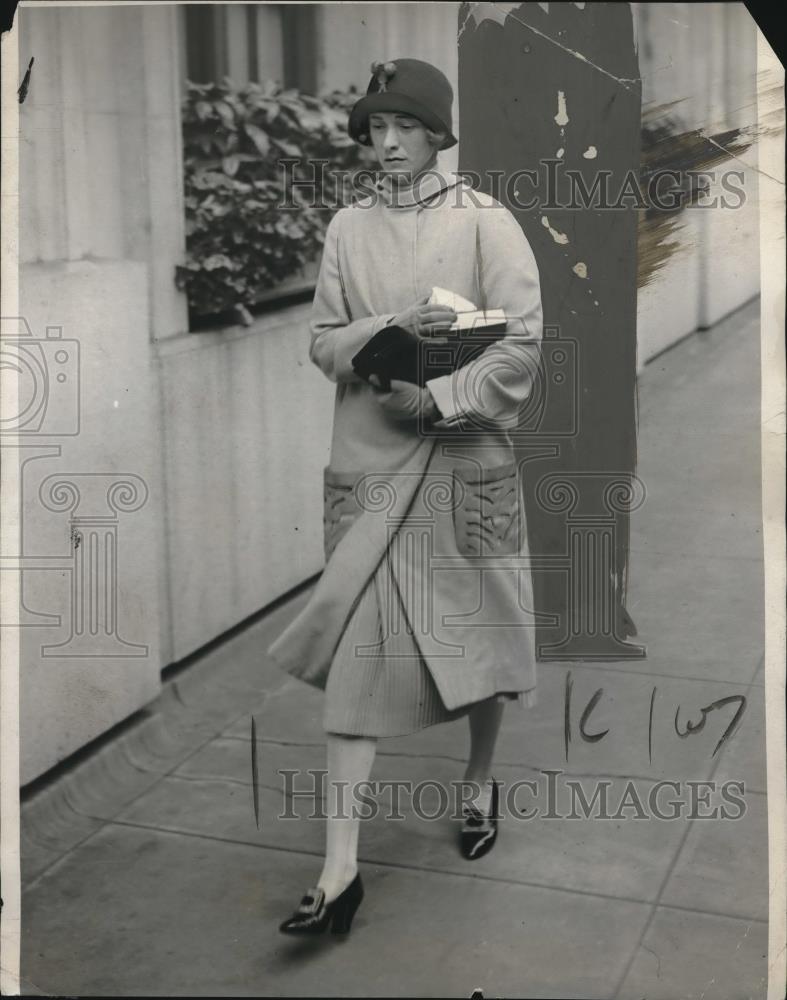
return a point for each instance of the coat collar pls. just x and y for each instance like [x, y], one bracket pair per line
[428, 186]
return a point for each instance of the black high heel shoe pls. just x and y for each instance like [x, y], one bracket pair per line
[314, 914]
[479, 830]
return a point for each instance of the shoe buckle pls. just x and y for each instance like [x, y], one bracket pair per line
[312, 902]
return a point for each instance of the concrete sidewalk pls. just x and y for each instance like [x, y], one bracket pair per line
[146, 874]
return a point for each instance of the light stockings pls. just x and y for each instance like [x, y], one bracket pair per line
[484, 718]
[349, 762]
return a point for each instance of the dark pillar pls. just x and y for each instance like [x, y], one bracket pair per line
[553, 92]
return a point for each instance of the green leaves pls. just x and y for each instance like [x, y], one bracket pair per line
[252, 220]
[261, 140]
[230, 165]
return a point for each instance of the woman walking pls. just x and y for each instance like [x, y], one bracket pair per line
[424, 610]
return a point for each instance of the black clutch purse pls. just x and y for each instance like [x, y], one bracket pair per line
[395, 353]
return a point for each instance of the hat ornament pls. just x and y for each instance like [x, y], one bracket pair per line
[383, 71]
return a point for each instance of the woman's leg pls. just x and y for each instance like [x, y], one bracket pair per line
[485, 718]
[349, 761]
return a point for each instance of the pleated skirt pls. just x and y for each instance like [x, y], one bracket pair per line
[379, 683]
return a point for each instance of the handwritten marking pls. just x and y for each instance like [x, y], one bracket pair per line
[591, 737]
[697, 727]
[650, 720]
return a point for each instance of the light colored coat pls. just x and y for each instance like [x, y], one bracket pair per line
[445, 503]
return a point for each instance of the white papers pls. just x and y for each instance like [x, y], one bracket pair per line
[468, 316]
[478, 320]
[442, 297]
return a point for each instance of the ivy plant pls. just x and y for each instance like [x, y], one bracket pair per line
[265, 168]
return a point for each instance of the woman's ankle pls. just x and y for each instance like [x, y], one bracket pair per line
[478, 775]
[334, 881]
[477, 792]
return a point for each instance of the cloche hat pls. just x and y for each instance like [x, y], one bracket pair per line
[411, 86]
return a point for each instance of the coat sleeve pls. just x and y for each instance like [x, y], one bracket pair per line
[335, 337]
[494, 387]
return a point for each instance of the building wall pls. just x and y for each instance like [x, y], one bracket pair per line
[698, 64]
[98, 168]
[245, 428]
[91, 513]
[229, 429]
[220, 440]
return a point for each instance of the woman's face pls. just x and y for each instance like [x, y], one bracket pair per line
[401, 144]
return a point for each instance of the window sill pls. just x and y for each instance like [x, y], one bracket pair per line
[291, 291]
[280, 315]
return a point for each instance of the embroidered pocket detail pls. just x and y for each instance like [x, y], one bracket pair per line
[340, 507]
[486, 512]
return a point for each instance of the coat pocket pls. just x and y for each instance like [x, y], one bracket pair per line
[340, 507]
[486, 511]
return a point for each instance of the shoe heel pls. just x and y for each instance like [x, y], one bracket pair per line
[345, 907]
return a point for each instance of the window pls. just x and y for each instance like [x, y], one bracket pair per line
[251, 42]
[319, 49]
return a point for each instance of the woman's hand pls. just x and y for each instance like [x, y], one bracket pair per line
[425, 320]
[404, 400]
